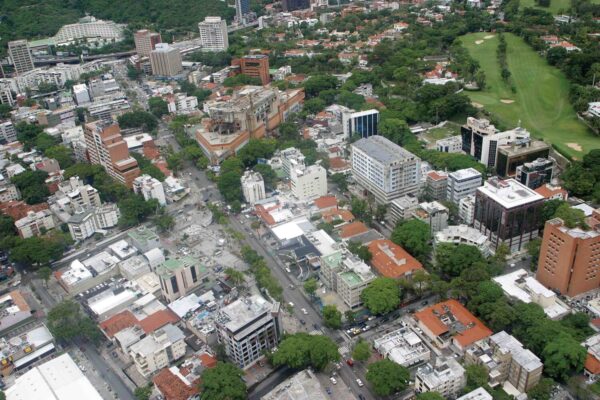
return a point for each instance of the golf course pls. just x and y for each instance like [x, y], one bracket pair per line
[541, 100]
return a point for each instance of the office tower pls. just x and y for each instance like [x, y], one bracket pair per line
[165, 60]
[536, 173]
[308, 182]
[569, 260]
[180, 276]
[512, 155]
[508, 213]
[20, 55]
[384, 169]
[462, 183]
[107, 148]
[363, 123]
[146, 41]
[291, 5]
[255, 66]
[213, 34]
[242, 7]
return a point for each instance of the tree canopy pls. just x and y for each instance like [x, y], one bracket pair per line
[67, 322]
[332, 317]
[387, 377]
[414, 236]
[302, 350]
[381, 295]
[223, 382]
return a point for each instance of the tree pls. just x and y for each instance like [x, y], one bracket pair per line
[302, 350]
[361, 351]
[361, 251]
[381, 296]
[314, 106]
[158, 107]
[32, 186]
[174, 161]
[572, 217]
[477, 376]
[138, 119]
[44, 274]
[332, 317]
[223, 382]
[318, 83]
[533, 249]
[414, 236]
[549, 209]
[66, 322]
[143, 392]
[62, 154]
[452, 259]
[235, 276]
[341, 180]
[310, 286]
[229, 185]
[387, 377]
[541, 391]
[269, 176]
[163, 221]
[350, 316]
[563, 356]
[396, 130]
[134, 210]
[37, 251]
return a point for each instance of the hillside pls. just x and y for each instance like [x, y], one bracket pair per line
[541, 102]
[30, 19]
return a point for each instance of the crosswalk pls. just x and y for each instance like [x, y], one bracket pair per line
[344, 350]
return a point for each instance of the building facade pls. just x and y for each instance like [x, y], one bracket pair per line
[436, 185]
[363, 123]
[253, 187]
[309, 183]
[213, 34]
[446, 377]
[21, 56]
[145, 42]
[255, 66]
[535, 173]
[35, 223]
[158, 350]
[179, 276]
[165, 60]
[462, 183]
[292, 5]
[150, 188]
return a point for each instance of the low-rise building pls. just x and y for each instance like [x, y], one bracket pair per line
[85, 222]
[309, 182]
[402, 346]
[592, 360]
[35, 223]
[143, 239]
[392, 261]
[178, 276]
[535, 173]
[158, 350]
[451, 144]
[25, 349]
[463, 234]
[150, 188]
[253, 187]
[446, 377]
[434, 214]
[403, 208]
[302, 386]
[183, 382]
[479, 393]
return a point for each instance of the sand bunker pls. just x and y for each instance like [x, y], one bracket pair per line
[488, 36]
[478, 41]
[574, 146]
[507, 101]
[477, 105]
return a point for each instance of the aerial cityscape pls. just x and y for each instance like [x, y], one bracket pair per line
[300, 200]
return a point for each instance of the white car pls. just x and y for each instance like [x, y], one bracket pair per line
[291, 304]
[304, 311]
[359, 383]
[333, 380]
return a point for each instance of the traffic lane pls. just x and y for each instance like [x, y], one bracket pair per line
[112, 379]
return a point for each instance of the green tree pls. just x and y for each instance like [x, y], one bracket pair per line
[32, 186]
[269, 176]
[314, 106]
[67, 322]
[341, 180]
[229, 185]
[5, 110]
[387, 377]
[223, 382]
[143, 392]
[138, 119]
[37, 251]
[359, 250]
[310, 286]
[44, 274]
[62, 154]
[361, 351]
[541, 391]
[158, 107]
[452, 259]
[381, 296]
[332, 317]
[134, 210]
[302, 350]
[414, 236]
[163, 221]
[235, 276]
[572, 217]
[563, 356]
[477, 376]
[350, 316]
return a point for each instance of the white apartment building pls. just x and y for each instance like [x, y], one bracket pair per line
[403, 346]
[213, 34]
[81, 94]
[35, 223]
[8, 191]
[85, 222]
[165, 60]
[150, 188]
[449, 145]
[90, 28]
[466, 209]
[446, 377]
[403, 208]
[463, 234]
[253, 187]
[462, 183]
[247, 327]
[291, 158]
[479, 393]
[182, 104]
[158, 350]
[8, 133]
[385, 169]
[73, 194]
[309, 183]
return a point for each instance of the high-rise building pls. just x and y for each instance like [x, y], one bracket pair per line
[8, 132]
[569, 260]
[385, 169]
[515, 154]
[165, 60]
[508, 213]
[255, 66]
[291, 5]
[462, 183]
[247, 327]
[308, 182]
[253, 187]
[535, 173]
[21, 56]
[107, 148]
[150, 188]
[213, 34]
[145, 42]
[436, 185]
[242, 8]
[363, 123]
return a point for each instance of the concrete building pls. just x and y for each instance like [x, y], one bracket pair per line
[291, 158]
[466, 209]
[403, 208]
[436, 185]
[165, 61]
[535, 173]
[449, 145]
[446, 377]
[96, 32]
[508, 213]
[35, 223]
[520, 286]
[308, 183]
[72, 194]
[158, 350]
[179, 276]
[143, 239]
[107, 148]
[363, 123]
[392, 261]
[213, 34]
[247, 327]
[21, 56]
[8, 133]
[242, 9]
[346, 275]
[150, 188]
[145, 42]
[253, 187]
[462, 183]
[403, 346]
[568, 261]
[479, 393]
[255, 66]
[385, 169]
[463, 234]
[85, 222]
[81, 94]
[434, 214]
[517, 153]
[506, 360]
[302, 386]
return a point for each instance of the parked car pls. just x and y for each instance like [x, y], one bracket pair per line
[359, 383]
[333, 380]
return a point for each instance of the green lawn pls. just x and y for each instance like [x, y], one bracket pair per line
[541, 101]
[555, 5]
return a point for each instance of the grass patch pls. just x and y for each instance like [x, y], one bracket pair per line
[556, 6]
[541, 102]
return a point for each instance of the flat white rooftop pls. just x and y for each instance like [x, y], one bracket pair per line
[509, 193]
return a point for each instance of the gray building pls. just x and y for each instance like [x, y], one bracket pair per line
[462, 183]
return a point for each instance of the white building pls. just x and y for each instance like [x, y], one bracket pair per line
[247, 327]
[253, 187]
[85, 222]
[73, 194]
[291, 158]
[403, 208]
[81, 94]
[519, 285]
[463, 234]
[403, 347]
[174, 189]
[35, 223]
[57, 379]
[166, 60]
[92, 29]
[158, 350]
[434, 214]
[385, 169]
[182, 104]
[150, 188]
[466, 209]
[479, 393]
[309, 182]
[363, 123]
[446, 377]
[8, 133]
[462, 183]
[352, 278]
[449, 145]
[213, 34]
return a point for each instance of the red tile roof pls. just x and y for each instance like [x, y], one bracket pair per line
[19, 209]
[326, 202]
[337, 163]
[474, 329]
[126, 319]
[436, 176]
[551, 191]
[335, 214]
[352, 229]
[592, 364]
[172, 387]
[158, 320]
[391, 260]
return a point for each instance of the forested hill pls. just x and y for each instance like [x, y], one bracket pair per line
[31, 19]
